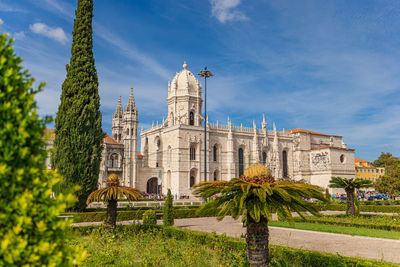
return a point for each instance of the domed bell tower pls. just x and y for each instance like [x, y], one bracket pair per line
[130, 140]
[184, 99]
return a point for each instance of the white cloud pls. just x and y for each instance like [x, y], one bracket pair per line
[56, 33]
[7, 8]
[226, 10]
[19, 35]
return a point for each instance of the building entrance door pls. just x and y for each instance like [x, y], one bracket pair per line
[152, 186]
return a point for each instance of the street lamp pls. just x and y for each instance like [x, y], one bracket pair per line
[206, 74]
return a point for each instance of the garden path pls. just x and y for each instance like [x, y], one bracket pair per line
[345, 245]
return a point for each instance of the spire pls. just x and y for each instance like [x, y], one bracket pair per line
[264, 123]
[275, 144]
[131, 102]
[254, 126]
[118, 111]
[184, 65]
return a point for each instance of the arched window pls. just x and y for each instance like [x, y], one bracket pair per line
[171, 119]
[119, 137]
[191, 118]
[132, 131]
[241, 162]
[215, 151]
[264, 157]
[169, 154]
[193, 175]
[127, 131]
[216, 175]
[193, 152]
[169, 179]
[114, 161]
[284, 161]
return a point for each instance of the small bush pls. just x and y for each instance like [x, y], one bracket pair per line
[30, 232]
[168, 216]
[149, 218]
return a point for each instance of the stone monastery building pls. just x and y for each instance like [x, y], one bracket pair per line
[172, 154]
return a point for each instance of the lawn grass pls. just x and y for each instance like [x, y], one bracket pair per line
[151, 249]
[138, 245]
[360, 231]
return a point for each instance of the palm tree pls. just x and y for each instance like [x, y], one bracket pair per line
[349, 185]
[110, 196]
[255, 196]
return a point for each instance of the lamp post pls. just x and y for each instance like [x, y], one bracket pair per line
[206, 74]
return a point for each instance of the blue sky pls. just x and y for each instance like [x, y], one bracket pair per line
[326, 66]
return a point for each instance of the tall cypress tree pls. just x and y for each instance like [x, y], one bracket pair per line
[78, 140]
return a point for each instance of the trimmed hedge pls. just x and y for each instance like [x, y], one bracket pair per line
[155, 207]
[381, 202]
[364, 208]
[280, 256]
[381, 222]
[127, 215]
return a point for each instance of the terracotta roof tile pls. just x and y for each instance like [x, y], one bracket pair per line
[52, 133]
[109, 140]
[299, 130]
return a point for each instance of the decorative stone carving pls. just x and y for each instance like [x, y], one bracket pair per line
[296, 142]
[320, 161]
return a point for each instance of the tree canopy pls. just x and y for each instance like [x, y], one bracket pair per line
[78, 140]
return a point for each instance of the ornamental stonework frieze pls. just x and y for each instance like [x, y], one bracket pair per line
[320, 161]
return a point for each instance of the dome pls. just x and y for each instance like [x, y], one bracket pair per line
[184, 83]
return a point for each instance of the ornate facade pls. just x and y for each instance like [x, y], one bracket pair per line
[172, 153]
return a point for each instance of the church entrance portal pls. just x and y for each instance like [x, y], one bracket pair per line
[152, 186]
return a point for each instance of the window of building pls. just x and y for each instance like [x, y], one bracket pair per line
[169, 154]
[285, 165]
[191, 118]
[192, 152]
[119, 137]
[342, 158]
[241, 162]
[215, 150]
[264, 157]
[132, 131]
[114, 161]
[192, 181]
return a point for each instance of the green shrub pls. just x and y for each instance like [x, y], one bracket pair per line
[31, 234]
[236, 247]
[382, 222]
[363, 208]
[168, 216]
[149, 217]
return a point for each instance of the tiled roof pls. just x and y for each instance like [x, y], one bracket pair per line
[109, 140]
[360, 160]
[299, 130]
[333, 147]
[52, 133]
